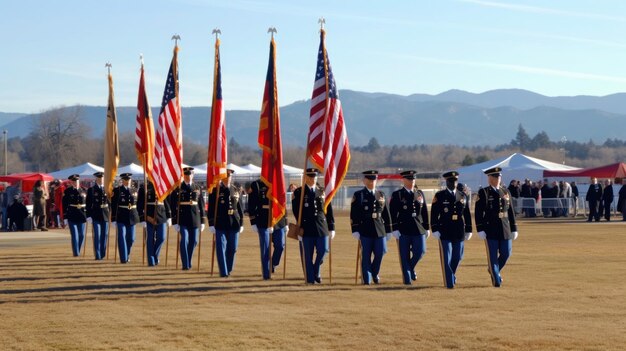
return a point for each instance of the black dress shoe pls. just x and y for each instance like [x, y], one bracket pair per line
[318, 280]
[376, 279]
[413, 275]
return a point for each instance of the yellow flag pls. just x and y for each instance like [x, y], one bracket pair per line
[111, 144]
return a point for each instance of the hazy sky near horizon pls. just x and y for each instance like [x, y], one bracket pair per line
[54, 52]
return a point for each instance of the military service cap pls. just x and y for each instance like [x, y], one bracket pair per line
[451, 175]
[98, 174]
[126, 176]
[230, 171]
[411, 174]
[371, 174]
[494, 172]
[74, 177]
[311, 172]
[188, 170]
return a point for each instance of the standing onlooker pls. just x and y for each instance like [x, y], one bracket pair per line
[566, 194]
[40, 194]
[575, 197]
[607, 200]
[621, 202]
[17, 213]
[3, 208]
[535, 192]
[546, 193]
[594, 196]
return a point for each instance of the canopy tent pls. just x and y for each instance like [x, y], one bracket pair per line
[292, 170]
[239, 170]
[134, 169]
[516, 166]
[615, 170]
[86, 170]
[252, 168]
[28, 179]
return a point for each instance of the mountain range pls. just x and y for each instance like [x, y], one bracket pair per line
[453, 117]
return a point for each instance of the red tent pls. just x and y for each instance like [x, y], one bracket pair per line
[615, 170]
[28, 179]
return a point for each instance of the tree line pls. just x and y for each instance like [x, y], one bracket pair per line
[60, 139]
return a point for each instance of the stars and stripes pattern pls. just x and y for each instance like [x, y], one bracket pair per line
[270, 142]
[144, 128]
[218, 153]
[167, 169]
[328, 147]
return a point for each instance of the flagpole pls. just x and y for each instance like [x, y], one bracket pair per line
[145, 209]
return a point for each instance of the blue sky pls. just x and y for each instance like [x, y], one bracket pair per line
[53, 52]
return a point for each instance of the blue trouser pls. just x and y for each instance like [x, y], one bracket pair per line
[226, 242]
[499, 253]
[370, 267]
[100, 236]
[319, 244]
[188, 242]
[412, 249]
[451, 256]
[77, 235]
[155, 239]
[125, 240]
[278, 239]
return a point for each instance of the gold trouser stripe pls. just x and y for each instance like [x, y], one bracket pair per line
[493, 278]
[443, 267]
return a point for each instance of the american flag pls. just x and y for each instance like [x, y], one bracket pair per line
[270, 142]
[144, 128]
[168, 150]
[216, 163]
[328, 140]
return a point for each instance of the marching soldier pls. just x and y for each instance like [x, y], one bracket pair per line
[258, 210]
[156, 216]
[594, 197]
[495, 223]
[98, 210]
[187, 208]
[124, 214]
[74, 213]
[225, 222]
[370, 222]
[409, 219]
[451, 223]
[317, 226]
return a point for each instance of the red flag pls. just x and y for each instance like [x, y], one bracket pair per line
[216, 163]
[167, 170]
[144, 128]
[270, 142]
[328, 147]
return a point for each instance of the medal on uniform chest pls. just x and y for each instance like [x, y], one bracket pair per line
[366, 208]
[306, 204]
[455, 217]
[445, 210]
[404, 207]
[222, 201]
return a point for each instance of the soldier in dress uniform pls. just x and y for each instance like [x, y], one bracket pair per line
[187, 206]
[594, 197]
[225, 222]
[409, 219]
[98, 211]
[154, 216]
[317, 226]
[258, 210]
[124, 215]
[371, 224]
[495, 223]
[74, 213]
[451, 222]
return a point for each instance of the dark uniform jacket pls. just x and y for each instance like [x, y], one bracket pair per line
[158, 212]
[607, 194]
[494, 215]
[621, 200]
[98, 204]
[124, 206]
[73, 206]
[369, 214]
[258, 207]
[408, 214]
[594, 193]
[314, 222]
[187, 205]
[229, 210]
[450, 215]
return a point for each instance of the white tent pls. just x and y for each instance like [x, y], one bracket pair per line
[86, 170]
[292, 170]
[516, 166]
[134, 169]
[252, 168]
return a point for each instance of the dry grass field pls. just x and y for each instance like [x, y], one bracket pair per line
[564, 289]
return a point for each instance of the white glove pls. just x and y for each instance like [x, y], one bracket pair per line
[143, 224]
[396, 234]
[177, 227]
[241, 230]
[212, 229]
[201, 227]
[254, 228]
[482, 234]
[89, 220]
[514, 235]
[468, 236]
[437, 235]
[169, 222]
[388, 237]
[271, 229]
[299, 237]
[66, 223]
[332, 234]
[427, 234]
[356, 235]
